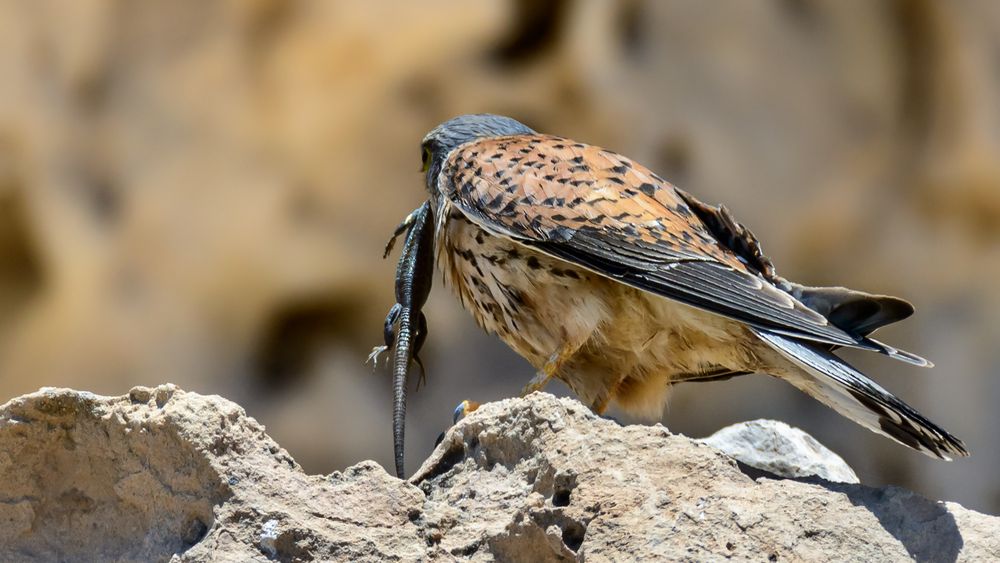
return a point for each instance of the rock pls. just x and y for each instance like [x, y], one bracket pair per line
[775, 447]
[163, 474]
[200, 192]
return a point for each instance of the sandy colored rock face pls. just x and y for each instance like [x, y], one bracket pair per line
[114, 480]
[163, 474]
[200, 193]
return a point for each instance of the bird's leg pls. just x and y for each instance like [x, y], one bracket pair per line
[600, 405]
[549, 370]
[537, 383]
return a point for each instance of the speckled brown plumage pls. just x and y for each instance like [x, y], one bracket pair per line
[604, 275]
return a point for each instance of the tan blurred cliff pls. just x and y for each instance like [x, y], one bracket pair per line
[204, 189]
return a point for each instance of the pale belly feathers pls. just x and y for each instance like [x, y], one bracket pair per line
[629, 345]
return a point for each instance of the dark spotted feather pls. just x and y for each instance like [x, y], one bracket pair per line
[602, 211]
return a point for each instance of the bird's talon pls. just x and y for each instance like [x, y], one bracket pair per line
[464, 409]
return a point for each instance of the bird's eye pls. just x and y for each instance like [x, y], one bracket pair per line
[426, 158]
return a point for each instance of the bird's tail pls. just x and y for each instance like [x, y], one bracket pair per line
[835, 383]
[859, 314]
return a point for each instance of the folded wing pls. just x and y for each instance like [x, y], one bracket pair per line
[599, 210]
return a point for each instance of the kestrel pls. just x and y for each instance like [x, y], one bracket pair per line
[604, 275]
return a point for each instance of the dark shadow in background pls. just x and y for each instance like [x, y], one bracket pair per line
[924, 527]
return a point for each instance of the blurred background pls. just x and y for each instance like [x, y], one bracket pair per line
[199, 192]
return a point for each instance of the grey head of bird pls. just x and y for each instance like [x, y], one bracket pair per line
[440, 141]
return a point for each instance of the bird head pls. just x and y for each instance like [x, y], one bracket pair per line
[444, 138]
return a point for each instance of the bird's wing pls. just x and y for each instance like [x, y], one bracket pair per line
[602, 211]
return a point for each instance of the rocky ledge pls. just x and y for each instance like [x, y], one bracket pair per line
[162, 474]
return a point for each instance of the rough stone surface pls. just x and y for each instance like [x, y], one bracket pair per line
[200, 192]
[162, 474]
[775, 447]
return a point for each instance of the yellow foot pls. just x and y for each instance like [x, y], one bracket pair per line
[548, 371]
[537, 383]
[600, 406]
[464, 409]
